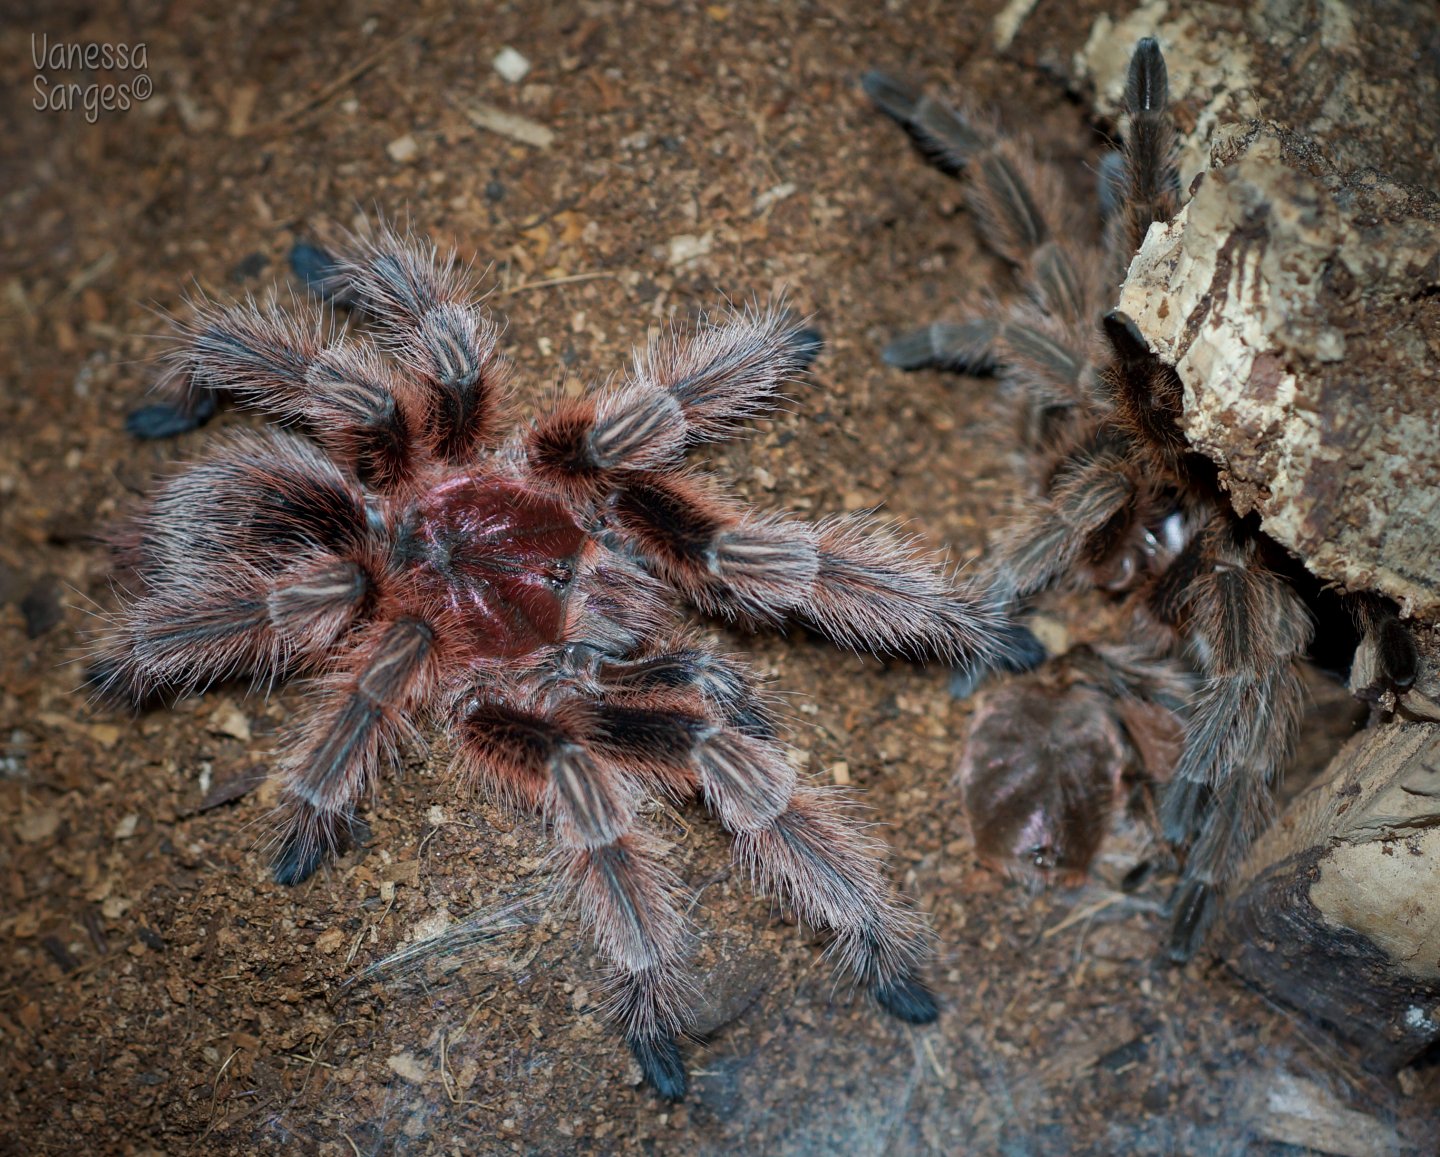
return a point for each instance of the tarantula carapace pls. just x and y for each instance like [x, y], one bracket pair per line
[425, 558]
[1120, 501]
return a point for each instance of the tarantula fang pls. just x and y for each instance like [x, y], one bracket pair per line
[1119, 499]
[423, 557]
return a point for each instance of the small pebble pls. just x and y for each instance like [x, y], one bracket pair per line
[511, 65]
[403, 150]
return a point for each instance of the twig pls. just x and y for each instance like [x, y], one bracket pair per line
[339, 84]
[546, 283]
[1082, 914]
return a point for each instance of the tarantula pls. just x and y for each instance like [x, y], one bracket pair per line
[1120, 501]
[517, 585]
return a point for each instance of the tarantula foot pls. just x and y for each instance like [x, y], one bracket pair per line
[893, 97]
[313, 265]
[296, 861]
[807, 344]
[908, 998]
[166, 420]
[1192, 910]
[306, 844]
[105, 682]
[1125, 336]
[1148, 85]
[963, 347]
[1019, 651]
[659, 1060]
[1398, 658]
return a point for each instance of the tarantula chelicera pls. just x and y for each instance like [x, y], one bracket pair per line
[1120, 501]
[426, 559]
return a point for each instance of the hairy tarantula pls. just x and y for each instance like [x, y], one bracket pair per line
[1120, 501]
[516, 585]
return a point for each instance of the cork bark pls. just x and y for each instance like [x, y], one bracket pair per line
[1297, 293]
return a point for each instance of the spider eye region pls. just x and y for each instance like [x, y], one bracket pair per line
[502, 556]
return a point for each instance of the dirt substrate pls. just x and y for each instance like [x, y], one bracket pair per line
[159, 994]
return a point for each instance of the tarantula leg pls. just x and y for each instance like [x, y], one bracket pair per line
[626, 897]
[421, 302]
[359, 720]
[189, 635]
[1249, 629]
[966, 348]
[1147, 183]
[187, 411]
[850, 577]
[798, 843]
[285, 362]
[680, 393]
[261, 497]
[730, 371]
[944, 136]
[726, 686]
[1020, 206]
[1147, 394]
[817, 858]
[177, 642]
[1087, 505]
[311, 605]
[874, 592]
[578, 443]
[1386, 659]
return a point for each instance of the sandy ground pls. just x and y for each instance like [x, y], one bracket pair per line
[159, 994]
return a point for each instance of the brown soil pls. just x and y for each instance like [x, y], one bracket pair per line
[159, 994]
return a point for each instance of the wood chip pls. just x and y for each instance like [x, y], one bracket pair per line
[407, 1067]
[35, 826]
[512, 125]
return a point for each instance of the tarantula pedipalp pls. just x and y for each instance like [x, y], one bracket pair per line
[1120, 501]
[516, 586]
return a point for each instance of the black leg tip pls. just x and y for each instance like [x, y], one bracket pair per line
[165, 420]
[1147, 87]
[659, 1059]
[1399, 658]
[908, 998]
[313, 265]
[297, 860]
[1020, 650]
[893, 97]
[1192, 911]
[105, 682]
[910, 351]
[1125, 336]
[806, 344]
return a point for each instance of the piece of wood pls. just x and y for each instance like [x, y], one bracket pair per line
[1296, 295]
[1338, 914]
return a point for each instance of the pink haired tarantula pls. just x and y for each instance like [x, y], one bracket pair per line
[1120, 501]
[425, 557]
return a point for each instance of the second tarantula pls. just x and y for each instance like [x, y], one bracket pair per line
[1120, 501]
[427, 558]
